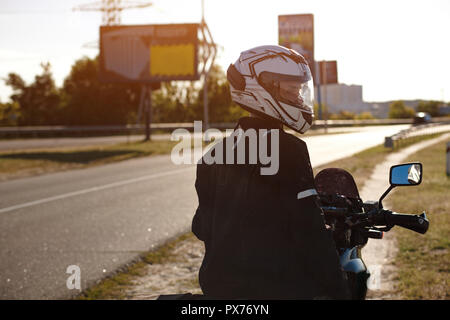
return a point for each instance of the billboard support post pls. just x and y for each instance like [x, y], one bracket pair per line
[148, 112]
[145, 106]
[141, 106]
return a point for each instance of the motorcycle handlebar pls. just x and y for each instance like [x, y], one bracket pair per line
[417, 223]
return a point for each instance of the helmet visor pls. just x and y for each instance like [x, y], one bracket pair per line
[293, 90]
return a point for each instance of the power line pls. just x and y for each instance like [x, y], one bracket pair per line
[111, 9]
[111, 12]
[14, 12]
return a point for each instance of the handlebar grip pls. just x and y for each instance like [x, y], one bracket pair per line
[334, 211]
[417, 223]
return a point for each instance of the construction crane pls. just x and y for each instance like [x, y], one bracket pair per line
[112, 9]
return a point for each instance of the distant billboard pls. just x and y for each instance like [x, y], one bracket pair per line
[296, 31]
[149, 53]
[328, 72]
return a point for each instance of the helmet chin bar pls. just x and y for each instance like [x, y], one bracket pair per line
[308, 118]
[305, 128]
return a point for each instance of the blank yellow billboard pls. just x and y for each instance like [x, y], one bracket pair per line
[149, 53]
[172, 60]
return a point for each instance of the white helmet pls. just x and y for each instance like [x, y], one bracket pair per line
[275, 82]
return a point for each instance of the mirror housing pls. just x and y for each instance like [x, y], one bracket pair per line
[406, 174]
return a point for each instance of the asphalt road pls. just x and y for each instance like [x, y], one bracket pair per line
[64, 142]
[100, 218]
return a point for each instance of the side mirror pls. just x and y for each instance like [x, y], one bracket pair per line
[408, 174]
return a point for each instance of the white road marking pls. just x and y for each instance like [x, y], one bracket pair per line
[93, 189]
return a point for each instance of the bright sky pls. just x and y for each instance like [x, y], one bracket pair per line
[395, 49]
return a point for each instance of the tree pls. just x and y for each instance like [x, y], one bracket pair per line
[220, 106]
[183, 101]
[431, 107]
[9, 113]
[84, 100]
[367, 115]
[87, 101]
[343, 115]
[172, 103]
[325, 113]
[39, 102]
[398, 110]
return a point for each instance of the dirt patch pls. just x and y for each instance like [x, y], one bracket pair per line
[179, 275]
[379, 256]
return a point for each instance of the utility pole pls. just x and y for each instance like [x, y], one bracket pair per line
[208, 51]
[205, 83]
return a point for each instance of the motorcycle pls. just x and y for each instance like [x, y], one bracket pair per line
[353, 222]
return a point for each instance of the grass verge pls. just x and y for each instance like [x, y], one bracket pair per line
[361, 165]
[32, 162]
[423, 261]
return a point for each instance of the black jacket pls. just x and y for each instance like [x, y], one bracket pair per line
[261, 241]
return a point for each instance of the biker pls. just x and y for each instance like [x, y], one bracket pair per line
[264, 235]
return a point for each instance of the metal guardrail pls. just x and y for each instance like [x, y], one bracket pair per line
[60, 131]
[414, 131]
[56, 131]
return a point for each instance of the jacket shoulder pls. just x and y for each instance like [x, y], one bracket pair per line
[293, 142]
[295, 164]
